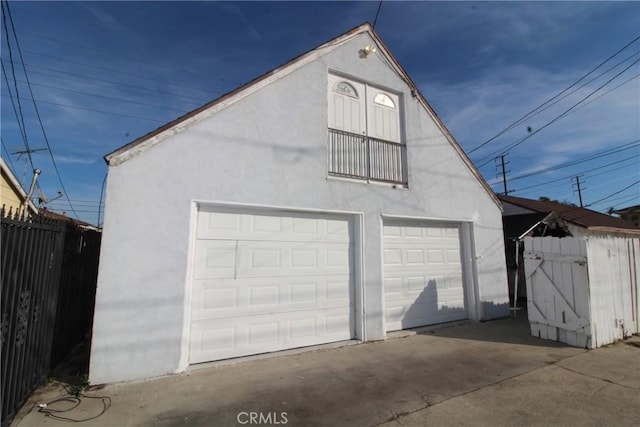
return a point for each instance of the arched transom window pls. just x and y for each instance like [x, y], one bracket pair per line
[345, 88]
[384, 99]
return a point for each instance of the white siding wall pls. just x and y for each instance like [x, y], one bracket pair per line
[613, 281]
[269, 149]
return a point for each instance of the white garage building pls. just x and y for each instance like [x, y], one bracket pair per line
[324, 201]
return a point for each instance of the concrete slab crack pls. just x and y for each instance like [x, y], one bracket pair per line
[397, 416]
[597, 378]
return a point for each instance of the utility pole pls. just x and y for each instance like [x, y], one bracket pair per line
[504, 171]
[579, 188]
[25, 203]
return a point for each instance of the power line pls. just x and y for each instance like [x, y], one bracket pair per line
[22, 129]
[106, 97]
[94, 110]
[153, 93]
[85, 204]
[82, 76]
[551, 104]
[111, 70]
[614, 150]
[377, 13]
[607, 92]
[613, 194]
[624, 202]
[94, 50]
[560, 116]
[623, 198]
[584, 84]
[15, 83]
[518, 190]
[526, 116]
[13, 168]
[15, 111]
[35, 106]
[85, 201]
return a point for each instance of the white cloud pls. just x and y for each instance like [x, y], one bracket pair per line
[108, 21]
[75, 159]
[235, 10]
[495, 25]
[473, 108]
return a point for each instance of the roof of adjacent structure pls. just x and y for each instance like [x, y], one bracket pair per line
[64, 217]
[628, 209]
[582, 217]
[145, 142]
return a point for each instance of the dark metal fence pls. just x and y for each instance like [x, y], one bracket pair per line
[49, 271]
[362, 157]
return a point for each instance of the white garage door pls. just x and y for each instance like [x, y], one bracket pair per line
[269, 281]
[422, 274]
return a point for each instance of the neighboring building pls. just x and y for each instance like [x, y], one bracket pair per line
[323, 201]
[539, 218]
[75, 222]
[12, 195]
[631, 213]
[543, 218]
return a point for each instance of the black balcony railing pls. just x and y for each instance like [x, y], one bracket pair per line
[362, 157]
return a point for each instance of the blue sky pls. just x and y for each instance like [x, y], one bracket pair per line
[105, 73]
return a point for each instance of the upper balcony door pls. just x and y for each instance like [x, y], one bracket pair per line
[347, 109]
[363, 109]
[382, 115]
[364, 132]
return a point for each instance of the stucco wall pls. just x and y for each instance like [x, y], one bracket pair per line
[10, 198]
[267, 149]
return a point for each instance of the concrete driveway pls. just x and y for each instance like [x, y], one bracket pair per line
[491, 373]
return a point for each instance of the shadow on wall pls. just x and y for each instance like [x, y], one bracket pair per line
[508, 330]
[425, 310]
[491, 310]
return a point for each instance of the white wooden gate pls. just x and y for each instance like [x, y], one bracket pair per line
[558, 289]
[583, 291]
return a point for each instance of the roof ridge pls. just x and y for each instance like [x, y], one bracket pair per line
[146, 141]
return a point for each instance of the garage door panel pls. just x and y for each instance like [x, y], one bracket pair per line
[224, 297]
[413, 283]
[420, 256]
[232, 225]
[267, 282]
[400, 230]
[393, 285]
[245, 335]
[239, 259]
[423, 274]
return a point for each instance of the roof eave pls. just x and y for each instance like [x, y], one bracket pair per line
[116, 156]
